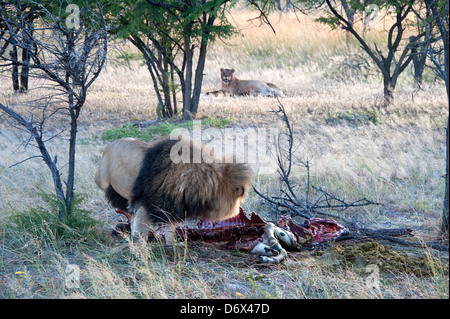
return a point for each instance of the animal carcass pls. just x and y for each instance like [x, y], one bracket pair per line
[254, 235]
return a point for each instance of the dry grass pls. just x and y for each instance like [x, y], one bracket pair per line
[393, 156]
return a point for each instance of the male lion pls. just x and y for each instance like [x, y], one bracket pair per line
[144, 182]
[233, 86]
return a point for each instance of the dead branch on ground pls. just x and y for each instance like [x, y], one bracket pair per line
[324, 204]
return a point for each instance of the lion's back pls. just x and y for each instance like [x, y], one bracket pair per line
[258, 87]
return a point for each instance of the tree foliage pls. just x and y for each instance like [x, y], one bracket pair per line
[391, 60]
[168, 33]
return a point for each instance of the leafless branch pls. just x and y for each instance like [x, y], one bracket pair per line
[325, 204]
[67, 60]
[23, 161]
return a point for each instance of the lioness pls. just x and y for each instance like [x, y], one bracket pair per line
[233, 86]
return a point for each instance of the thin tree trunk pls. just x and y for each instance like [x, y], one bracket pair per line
[72, 151]
[15, 68]
[187, 100]
[350, 17]
[25, 65]
[445, 210]
[418, 59]
[25, 70]
[174, 92]
[137, 42]
[74, 112]
[166, 91]
[51, 164]
[388, 90]
[445, 216]
[395, 34]
[199, 71]
[279, 5]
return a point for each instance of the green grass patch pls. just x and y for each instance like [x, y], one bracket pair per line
[44, 222]
[165, 128]
[355, 117]
[125, 57]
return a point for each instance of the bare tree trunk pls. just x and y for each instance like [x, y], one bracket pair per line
[445, 210]
[199, 76]
[25, 70]
[445, 217]
[161, 72]
[166, 89]
[187, 102]
[174, 93]
[15, 68]
[350, 17]
[26, 55]
[51, 164]
[388, 90]
[191, 102]
[74, 112]
[418, 59]
[279, 5]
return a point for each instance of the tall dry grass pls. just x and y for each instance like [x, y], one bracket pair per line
[394, 156]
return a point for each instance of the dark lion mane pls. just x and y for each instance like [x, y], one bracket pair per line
[171, 191]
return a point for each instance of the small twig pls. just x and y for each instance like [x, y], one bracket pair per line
[277, 203]
[262, 15]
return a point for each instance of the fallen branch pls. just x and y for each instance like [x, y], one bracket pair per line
[393, 238]
[386, 232]
[325, 204]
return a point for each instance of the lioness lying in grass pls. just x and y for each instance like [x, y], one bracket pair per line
[233, 86]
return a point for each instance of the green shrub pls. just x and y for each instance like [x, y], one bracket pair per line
[43, 221]
[150, 132]
[354, 117]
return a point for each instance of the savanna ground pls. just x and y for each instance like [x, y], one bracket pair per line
[394, 156]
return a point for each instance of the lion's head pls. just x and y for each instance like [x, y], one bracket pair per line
[227, 76]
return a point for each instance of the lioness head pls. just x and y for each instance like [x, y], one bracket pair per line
[227, 76]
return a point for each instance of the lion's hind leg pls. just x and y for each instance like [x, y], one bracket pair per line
[115, 199]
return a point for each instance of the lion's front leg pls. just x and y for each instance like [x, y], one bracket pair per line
[222, 91]
[215, 93]
[170, 235]
[140, 223]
